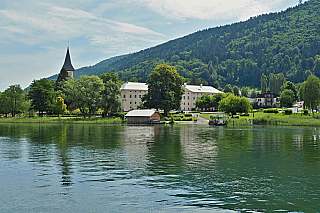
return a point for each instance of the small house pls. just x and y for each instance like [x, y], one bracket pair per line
[267, 99]
[143, 116]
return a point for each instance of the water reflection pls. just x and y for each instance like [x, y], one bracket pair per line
[241, 169]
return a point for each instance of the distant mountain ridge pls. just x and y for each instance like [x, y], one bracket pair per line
[287, 42]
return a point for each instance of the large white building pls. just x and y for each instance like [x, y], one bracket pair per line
[131, 93]
[194, 92]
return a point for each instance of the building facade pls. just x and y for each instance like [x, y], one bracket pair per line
[131, 93]
[267, 99]
[193, 93]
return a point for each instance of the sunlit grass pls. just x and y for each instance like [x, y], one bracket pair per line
[296, 119]
[98, 120]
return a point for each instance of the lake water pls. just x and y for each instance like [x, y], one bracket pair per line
[180, 168]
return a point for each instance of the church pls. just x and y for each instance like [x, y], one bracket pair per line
[68, 65]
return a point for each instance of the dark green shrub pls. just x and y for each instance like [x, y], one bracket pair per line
[270, 111]
[288, 111]
[305, 111]
[188, 115]
[244, 114]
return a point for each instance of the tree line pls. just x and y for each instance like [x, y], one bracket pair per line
[88, 94]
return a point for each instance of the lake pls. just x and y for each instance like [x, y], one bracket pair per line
[179, 168]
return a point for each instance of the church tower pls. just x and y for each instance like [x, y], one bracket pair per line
[67, 64]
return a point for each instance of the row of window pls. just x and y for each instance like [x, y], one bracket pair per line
[188, 97]
[135, 102]
[130, 96]
[188, 103]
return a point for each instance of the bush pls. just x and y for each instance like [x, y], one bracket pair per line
[187, 119]
[244, 114]
[188, 115]
[305, 112]
[270, 111]
[236, 116]
[288, 111]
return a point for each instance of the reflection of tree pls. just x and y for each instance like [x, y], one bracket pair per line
[165, 153]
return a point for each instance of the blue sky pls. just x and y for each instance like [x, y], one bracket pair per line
[34, 34]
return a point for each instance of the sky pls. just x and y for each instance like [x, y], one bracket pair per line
[34, 34]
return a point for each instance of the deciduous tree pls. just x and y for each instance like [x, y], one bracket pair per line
[60, 108]
[287, 98]
[41, 94]
[164, 89]
[310, 92]
[110, 101]
[233, 104]
[84, 93]
[15, 99]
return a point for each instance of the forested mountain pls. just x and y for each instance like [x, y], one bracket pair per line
[287, 42]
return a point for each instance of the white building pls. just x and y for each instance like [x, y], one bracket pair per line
[194, 92]
[131, 93]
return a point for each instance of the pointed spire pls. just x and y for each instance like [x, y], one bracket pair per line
[67, 62]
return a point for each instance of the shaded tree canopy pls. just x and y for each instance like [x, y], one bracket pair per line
[164, 89]
[41, 94]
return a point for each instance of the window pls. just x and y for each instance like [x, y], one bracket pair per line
[194, 98]
[135, 103]
[130, 102]
[124, 96]
[184, 103]
[139, 96]
[188, 97]
[184, 97]
[188, 104]
[130, 96]
[135, 96]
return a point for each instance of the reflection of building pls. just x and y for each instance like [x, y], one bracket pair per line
[194, 92]
[67, 64]
[267, 99]
[131, 93]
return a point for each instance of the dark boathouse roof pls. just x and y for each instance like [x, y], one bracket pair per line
[67, 62]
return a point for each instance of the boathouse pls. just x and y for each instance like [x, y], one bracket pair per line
[143, 116]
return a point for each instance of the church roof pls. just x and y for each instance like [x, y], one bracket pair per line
[67, 62]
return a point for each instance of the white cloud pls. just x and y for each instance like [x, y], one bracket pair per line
[210, 9]
[58, 22]
[13, 29]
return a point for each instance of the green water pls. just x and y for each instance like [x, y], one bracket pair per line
[180, 168]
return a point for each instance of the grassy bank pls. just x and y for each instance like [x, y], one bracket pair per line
[296, 119]
[64, 120]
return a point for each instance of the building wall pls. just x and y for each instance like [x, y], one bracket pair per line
[189, 99]
[70, 74]
[137, 120]
[131, 99]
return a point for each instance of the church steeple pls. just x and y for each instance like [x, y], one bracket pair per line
[67, 64]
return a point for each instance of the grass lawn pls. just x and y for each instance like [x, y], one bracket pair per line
[95, 120]
[296, 119]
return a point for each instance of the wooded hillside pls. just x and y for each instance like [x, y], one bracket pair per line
[287, 42]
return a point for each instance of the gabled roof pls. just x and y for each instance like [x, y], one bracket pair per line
[67, 62]
[141, 113]
[201, 89]
[134, 86]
